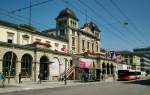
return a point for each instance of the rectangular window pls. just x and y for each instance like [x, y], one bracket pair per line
[73, 49]
[92, 46]
[73, 32]
[88, 45]
[73, 41]
[10, 37]
[25, 41]
[97, 35]
[83, 43]
[64, 46]
[10, 41]
[48, 42]
[56, 46]
[97, 47]
[38, 40]
[62, 32]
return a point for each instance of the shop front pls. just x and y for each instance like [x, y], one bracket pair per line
[87, 69]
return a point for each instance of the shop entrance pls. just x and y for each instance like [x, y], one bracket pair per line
[44, 70]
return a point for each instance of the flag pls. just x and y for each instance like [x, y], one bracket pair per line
[108, 55]
[63, 49]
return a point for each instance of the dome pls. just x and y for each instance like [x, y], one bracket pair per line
[67, 13]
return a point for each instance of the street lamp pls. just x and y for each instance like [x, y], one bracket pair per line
[65, 76]
[35, 62]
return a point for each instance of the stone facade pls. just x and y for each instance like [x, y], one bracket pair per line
[29, 51]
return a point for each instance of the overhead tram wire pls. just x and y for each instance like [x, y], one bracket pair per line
[29, 7]
[125, 16]
[113, 33]
[12, 17]
[30, 13]
[116, 19]
[32, 5]
[107, 28]
[121, 34]
[22, 17]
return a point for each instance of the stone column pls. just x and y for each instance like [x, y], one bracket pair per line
[37, 70]
[18, 68]
[1, 64]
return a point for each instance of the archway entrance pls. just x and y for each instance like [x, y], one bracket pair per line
[55, 69]
[44, 67]
[9, 63]
[26, 64]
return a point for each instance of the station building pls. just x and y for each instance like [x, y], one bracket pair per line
[26, 50]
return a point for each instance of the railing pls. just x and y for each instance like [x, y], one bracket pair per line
[69, 71]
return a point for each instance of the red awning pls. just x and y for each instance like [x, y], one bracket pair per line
[82, 64]
[86, 63]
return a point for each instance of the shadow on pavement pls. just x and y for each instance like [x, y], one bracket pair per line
[141, 82]
[8, 86]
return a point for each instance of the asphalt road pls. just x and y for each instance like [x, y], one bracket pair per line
[139, 87]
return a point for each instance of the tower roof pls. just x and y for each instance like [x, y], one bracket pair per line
[92, 25]
[67, 13]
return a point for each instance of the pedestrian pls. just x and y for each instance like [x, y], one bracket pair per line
[102, 76]
[83, 76]
[2, 79]
[114, 76]
[40, 76]
[62, 77]
[20, 76]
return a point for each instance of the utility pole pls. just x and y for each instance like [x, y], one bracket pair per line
[11, 63]
[30, 13]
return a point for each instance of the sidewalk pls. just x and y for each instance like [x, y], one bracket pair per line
[29, 85]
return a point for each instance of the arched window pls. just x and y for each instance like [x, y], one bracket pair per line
[26, 63]
[9, 63]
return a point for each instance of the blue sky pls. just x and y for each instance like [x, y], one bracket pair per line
[115, 34]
